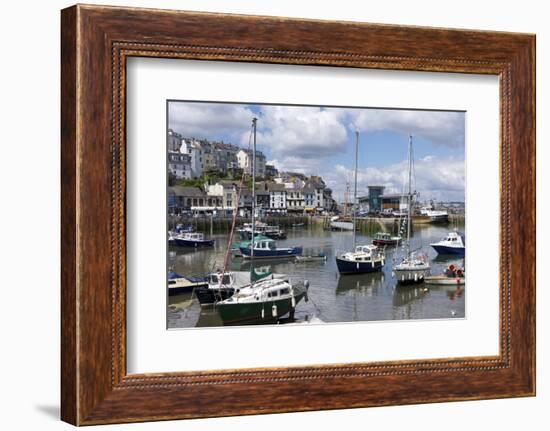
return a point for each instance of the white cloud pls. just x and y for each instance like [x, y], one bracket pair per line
[435, 178]
[209, 120]
[440, 127]
[302, 132]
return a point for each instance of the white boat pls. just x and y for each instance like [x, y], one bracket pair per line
[337, 223]
[414, 267]
[435, 216]
[453, 243]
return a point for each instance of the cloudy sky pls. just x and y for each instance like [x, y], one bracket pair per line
[321, 141]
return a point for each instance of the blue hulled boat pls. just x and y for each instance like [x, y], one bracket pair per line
[267, 249]
[194, 239]
[453, 243]
[365, 258]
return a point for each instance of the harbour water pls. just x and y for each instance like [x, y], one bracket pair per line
[332, 297]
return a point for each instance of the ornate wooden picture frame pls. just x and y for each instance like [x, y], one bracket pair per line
[96, 42]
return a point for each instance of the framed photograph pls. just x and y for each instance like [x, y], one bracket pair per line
[290, 208]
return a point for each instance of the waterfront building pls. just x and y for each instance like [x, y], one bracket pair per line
[227, 190]
[277, 197]
[179, 165]
[245, 162]
[295, 200]
[262, 195]
[395, 201]
[183, 198]
[373, 198]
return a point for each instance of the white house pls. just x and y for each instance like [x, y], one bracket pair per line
[277, 197]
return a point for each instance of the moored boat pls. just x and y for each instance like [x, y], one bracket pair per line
[267, 249]
[386, 239]
[453, 276]
[453, 243]
[263, 302]
[193, 239]
[414, 266]
[219, 288]
[362, 258]
[178, 284]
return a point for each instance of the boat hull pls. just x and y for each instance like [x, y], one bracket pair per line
[208, 296]
[442, 249]
[187, 288]
[279, 253]
[386, 242]
[350, 267]
[341, 225]
[251, 313]
[180, 242]
[443, 280]
[410, 276]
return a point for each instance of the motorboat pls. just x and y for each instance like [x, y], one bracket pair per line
[192, 239]
[267, 249]
[453, 243]
[386, 239]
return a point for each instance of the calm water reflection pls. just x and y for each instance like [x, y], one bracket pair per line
[332, 298]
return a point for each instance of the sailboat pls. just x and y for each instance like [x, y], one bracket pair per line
[414, 267]
[363, 258]
[269, 299]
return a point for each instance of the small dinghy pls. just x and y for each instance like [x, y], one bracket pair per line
[453, 276]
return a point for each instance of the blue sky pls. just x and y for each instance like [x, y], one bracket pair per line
[321, 141]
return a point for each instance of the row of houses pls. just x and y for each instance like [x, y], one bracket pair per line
[271, 197]
[191, 158]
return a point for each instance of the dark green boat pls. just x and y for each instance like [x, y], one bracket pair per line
[265, 302]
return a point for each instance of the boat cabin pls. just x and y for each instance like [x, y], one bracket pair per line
[194, 236]
[265, 244]
[454, 238]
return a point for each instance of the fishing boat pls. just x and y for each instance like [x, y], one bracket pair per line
[453, 276]
[414, 266]
[362, 258]
[273, 232]
[433, 216]
[386, 239]
[453, 243]
[193, 239]
[267, 249]
[321, 257]
[269, 299]
[178, 284]
[219, 288]
[236, 247]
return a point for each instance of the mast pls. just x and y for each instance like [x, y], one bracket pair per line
[409, 201]
[355, 188]
[254, 120]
